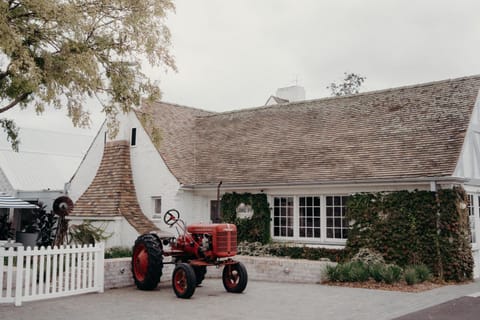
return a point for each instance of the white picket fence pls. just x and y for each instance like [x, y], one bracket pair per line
[44, 273]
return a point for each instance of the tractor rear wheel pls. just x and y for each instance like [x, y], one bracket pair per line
[200, 272]
[235, 277]
[147, 262]
[183, 280]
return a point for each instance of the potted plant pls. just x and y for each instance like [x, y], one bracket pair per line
[30, 229]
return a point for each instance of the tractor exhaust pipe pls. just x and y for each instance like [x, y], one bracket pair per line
[218, 199]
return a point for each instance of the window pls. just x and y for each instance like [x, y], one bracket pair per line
[157, 207]
[471, 218]
[309, 214]
[133, 139]
[283, 217]
[337, 224]
[314, 218]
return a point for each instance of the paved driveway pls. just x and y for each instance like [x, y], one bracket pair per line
[261, 300]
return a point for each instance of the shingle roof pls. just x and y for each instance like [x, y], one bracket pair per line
[177, 130]
[112, 191]
[408, 132]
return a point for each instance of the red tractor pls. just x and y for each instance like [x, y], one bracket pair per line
[196, 247]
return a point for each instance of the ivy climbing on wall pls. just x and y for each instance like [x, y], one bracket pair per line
[414, 227]
[254, 229]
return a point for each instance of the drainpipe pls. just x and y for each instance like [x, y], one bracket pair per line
[218, 199]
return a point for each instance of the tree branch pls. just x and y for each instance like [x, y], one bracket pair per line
[17, 100]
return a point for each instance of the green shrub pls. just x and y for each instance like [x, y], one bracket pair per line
[332, 273]
[376, 272]
[118, 252]
[410, 276]
[344, 272]
[391, 274]
[423, 273]
[348, 272]
[359, 272]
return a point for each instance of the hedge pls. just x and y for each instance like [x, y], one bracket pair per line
[254, 229]
[414, 227]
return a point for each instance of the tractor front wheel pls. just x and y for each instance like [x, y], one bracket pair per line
[235, 277]
[147, 262]
[184, 280]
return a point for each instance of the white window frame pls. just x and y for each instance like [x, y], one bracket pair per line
[155, 214]
[475, 227]
[296, 219]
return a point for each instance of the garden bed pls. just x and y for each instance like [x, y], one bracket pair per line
[401, 286]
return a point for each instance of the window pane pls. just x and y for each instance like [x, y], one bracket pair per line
[329, 233]
[329, 222]
[290, 201]
[283, 216]
[309, 207]
[158, 205]
[302, 201]
[309, 232]
[309, 201]
[338, 233]
[337, 201]
[329, 201]
[336, 210]
[290, 232]
[309, 212]
[338, 222]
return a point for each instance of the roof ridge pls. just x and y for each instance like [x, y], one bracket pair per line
[179, 106]
[367, 93]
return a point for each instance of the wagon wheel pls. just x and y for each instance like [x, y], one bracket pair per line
[183, 280]
[235, 277]
[147, 262]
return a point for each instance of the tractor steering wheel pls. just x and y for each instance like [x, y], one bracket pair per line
[171, 217]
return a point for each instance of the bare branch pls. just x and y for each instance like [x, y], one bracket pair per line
[17, 100]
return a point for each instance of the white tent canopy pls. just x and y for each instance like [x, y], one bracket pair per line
[7, 201]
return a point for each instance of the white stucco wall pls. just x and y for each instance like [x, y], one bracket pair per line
[151, 177]
[87, 169]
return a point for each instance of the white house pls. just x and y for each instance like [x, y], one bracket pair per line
[307, 156]
[38, 171]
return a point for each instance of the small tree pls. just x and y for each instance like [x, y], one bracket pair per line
[350, 85]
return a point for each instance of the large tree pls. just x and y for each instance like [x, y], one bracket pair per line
[351, 85]
[59, 52]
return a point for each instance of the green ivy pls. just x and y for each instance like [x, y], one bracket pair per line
[254, 229]
[414, 227]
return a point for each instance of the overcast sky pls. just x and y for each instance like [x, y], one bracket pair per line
[234, 54]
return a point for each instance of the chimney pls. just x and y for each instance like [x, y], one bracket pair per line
[292, 93]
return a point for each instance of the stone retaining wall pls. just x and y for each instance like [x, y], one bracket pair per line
[118, 271]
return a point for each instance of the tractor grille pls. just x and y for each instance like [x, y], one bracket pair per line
[226, 243]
